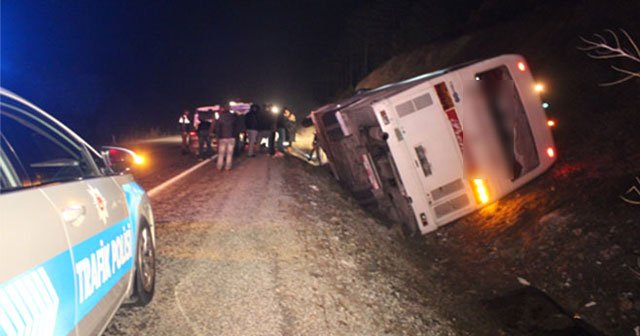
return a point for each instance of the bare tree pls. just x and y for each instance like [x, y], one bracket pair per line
[601, 47]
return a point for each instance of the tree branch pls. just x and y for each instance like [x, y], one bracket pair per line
[600, 48]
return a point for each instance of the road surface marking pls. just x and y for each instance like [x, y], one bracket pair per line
[176, 178]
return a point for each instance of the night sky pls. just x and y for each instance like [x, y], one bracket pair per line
[106, 66]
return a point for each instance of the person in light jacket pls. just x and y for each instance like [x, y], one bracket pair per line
[184, 126]
[225, 132]
[290, 126]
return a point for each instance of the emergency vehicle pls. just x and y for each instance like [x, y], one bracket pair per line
[211, 114]
[77, 236]
[431, 149]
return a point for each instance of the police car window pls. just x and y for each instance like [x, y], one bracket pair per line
[9, 179]
[99, 162]
[47, 154]
[11, 160]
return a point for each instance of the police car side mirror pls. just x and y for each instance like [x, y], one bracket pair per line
[120, 160]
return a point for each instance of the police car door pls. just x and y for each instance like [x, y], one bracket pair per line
[35, 296]
[96, 221]
[93, 212]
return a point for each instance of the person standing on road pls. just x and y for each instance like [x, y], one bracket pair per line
[315, 149]
[266, 126]
[280, 131]
[251, 121]
[240, 132]
[290, 127]
[204, 128]
[184, 126]
[225, 129]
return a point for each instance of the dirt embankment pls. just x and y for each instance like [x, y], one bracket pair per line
[569, 232]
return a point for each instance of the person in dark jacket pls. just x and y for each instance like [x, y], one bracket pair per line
[266, 126]
[281, 129]
[203, 126]
[225, 132]
[251, 122]
[240, 132]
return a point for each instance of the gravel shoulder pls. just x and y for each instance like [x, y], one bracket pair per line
[270, 248]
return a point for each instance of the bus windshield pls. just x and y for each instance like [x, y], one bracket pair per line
[510, 120]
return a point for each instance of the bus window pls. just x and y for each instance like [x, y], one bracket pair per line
[510, 119]
[332, 126]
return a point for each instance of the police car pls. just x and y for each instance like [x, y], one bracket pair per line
[76, 231]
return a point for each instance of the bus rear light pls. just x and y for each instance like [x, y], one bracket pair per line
[521, 66]
[551, 123]
[481, 191]
[538, 87]
[551, 152]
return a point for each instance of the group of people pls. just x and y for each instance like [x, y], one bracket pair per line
[235, 130]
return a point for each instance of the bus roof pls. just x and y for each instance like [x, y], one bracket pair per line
[387, 90]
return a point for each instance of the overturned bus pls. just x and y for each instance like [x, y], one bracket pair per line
[431, 149]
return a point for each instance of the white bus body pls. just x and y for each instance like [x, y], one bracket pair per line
[455, 141]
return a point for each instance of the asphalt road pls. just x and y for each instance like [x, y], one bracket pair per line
[261, 250]
[163, 160]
